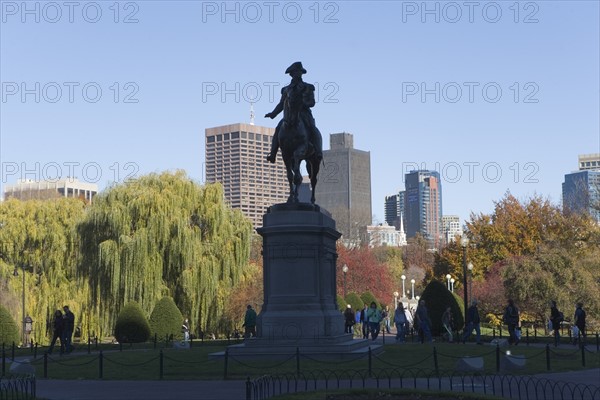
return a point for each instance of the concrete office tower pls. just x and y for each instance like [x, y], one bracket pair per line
[423, 206]
[589, 162]
[235, 157]
[394, 208]
[27, 189]
[451, 228]
[344, 187]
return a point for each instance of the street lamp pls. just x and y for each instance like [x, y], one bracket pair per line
[464, 243]
[470, 268]
[448, 276]
[412, 282]
[452, 284]
[403, 291]
[16, 273]
[344, 270]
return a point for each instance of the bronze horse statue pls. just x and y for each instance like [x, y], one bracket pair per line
[296, 134]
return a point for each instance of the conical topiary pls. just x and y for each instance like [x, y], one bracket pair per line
[166, 320]
[132, 325]
[437, 297]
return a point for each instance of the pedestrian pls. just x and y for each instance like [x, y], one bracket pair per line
[250, 322]
[357, 318]
[349, 319]
[579, 321]
[374, 319]
[511, 318]
[423, 322]
[185, 329]
[58, 324]
[400, 322]
[69, 327]
[385, 314]
[473, 322]
[364, 321]
[556, 317]
[447, 322]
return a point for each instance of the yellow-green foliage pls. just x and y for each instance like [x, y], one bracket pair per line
[132, 325]
[9, 332]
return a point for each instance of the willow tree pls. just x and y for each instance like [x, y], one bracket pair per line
[38, 244]
[163, 235]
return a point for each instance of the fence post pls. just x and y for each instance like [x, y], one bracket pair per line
[494, 333]
[155, 341]
[100, 365]
[527, 336]
[497, 358]
[548, 357]
[45, 365]
[435, 361]
[298, 361]
[12, 352]
[3, 362]
[370, 362]
[225, 364]
[248, 389]
[96, 340]
[500, 331]
[35, 351]
[161, 364]
[535, 334]
[383, 332]
[597, 342]
[89, 345]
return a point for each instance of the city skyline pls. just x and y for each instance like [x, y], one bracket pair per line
[418, 89]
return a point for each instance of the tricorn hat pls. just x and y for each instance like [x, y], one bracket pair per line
[297, 66]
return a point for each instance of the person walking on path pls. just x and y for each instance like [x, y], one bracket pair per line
[58, 324]
[473, 322]
[385, 314]
[357, 319]
[349, 319]
[185, 329]
[447, 322]
[556, 317]
[511, 319]
[579, 319]
[68, 329]
[374, 318]
[423, 322]
[365, 322]
[400, 322]
[250, 322]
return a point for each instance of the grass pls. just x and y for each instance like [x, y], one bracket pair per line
[143, 362]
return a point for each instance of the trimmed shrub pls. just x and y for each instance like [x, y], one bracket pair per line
[9, 332]
[166, 320]
[132, 325]
[437, 297]
[368, 298]
[341, 303]
[355, 301]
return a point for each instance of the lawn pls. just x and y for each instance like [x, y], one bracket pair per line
[144, 362]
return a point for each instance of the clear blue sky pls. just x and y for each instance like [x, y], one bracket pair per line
[370, 60]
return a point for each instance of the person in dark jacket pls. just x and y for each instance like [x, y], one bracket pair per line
[68, 328]
[349, 319]
[579, 321]
[58, 324]
[250, 322]
[511, 318]
[556, 317]
[473, 322]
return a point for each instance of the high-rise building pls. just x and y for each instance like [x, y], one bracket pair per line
[344, 187]
[423, 206]
[394, 208]
[27, 189]
[235, 157]
[451, 228]
[581, 193]
[589, 162]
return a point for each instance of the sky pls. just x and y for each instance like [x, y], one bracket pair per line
[497, 96]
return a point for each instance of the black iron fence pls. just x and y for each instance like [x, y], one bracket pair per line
[506, 386]
[17, 388]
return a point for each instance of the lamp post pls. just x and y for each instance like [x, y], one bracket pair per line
[344, 270]
[470, 268]
[16, 273]
[403, 291]
[412, 282]
[452, 285]
[465, 242]
[448, 276]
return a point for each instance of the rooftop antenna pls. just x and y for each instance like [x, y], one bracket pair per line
[251, 113]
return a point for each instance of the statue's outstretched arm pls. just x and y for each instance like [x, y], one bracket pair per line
[278, 108]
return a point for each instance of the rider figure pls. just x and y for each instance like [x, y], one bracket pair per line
[297, 90]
